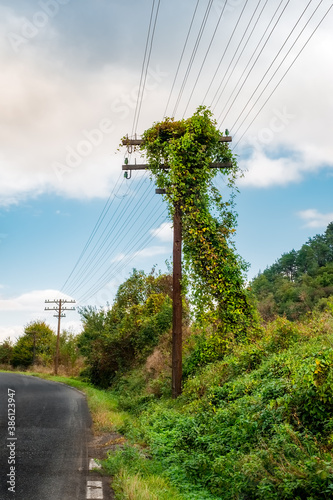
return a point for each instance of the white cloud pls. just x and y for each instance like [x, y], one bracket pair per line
[261, 171]
[118, 258]
[50, 109]
[151, 251]
[294, 125]
[29, 307]
[60, 125]
[32, 301]
[164, 232]
[13, 332]
[315, 219]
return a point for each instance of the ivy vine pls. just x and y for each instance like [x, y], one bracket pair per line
[180, 154]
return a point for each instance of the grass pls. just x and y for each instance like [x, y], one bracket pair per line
[138, 477]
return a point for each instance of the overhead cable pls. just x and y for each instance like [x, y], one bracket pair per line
[285, 73]
[271, 64]
[181, 58]
[194, 52]
[205, 57]
[256, 59]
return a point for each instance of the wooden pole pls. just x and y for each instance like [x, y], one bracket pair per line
[56, 361]
[177, 305]
[177, 269]
[34, 350]
[59, 309]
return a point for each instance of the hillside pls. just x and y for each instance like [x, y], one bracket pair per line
[255, 425]
[255, 418]
[298, 281]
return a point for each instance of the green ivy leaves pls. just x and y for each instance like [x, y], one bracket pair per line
[213, 270]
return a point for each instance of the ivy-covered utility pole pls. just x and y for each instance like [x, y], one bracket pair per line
[176, 212]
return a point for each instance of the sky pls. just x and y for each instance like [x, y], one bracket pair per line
[76, 76]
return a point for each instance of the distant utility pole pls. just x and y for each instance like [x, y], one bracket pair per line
[59, 308]
[177, 268]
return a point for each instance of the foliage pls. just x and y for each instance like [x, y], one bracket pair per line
[257, 424]
[213, 271]
[39, 340]
[113, 340]
[299, 281]
[138, 477]
[68, 350]
[6, 350]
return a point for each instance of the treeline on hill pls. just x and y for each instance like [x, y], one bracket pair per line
[298, 281]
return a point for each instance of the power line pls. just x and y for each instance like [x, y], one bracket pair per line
[83, 265]
[105, 210]
[107, 276]
[205, 57]
[285, 73]
[96, 249]
[98, 264]
[142, 85]
[181, 57]
[231, 61]
[196, 45]
[59, 309]
[271, 64]
[123, 262]
[250, 70]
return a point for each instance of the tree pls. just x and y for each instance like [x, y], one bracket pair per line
[329, 240]
[288, 264]
[69, 350]
[115, 339]
[320, 248]
[6, 350]
[298, 280]
[37, 345]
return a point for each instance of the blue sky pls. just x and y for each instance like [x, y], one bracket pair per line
[70, 76]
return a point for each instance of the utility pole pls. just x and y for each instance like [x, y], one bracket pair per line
[177, 331]
[59, 308]
[177, 267]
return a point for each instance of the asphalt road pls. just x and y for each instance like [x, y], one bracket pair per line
[51, 425]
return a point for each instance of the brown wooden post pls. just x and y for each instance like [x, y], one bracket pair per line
[59, 309]
[177, 268]
[56, 361]
[34, 350]
[177, 305]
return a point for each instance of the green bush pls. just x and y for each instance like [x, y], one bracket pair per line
[257, 424]
[115, 340]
